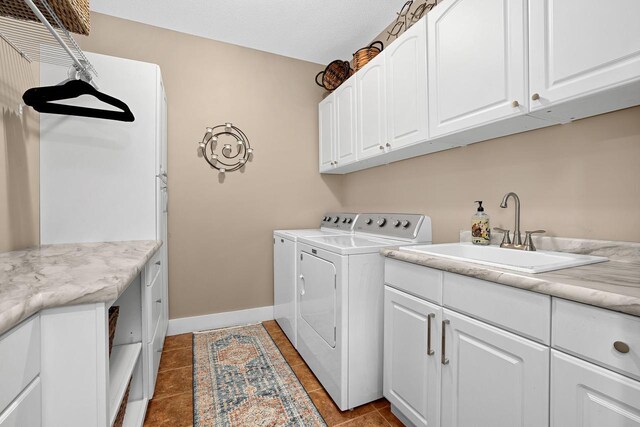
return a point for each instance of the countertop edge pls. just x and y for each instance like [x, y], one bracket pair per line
[599, 298]
[38, 301]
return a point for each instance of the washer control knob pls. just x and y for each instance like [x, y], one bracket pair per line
[368, 221]
[349, 220]
[344, 221]
[381, 222]
[396, 223]
[405, 223]
[336, 219]
[329, 218]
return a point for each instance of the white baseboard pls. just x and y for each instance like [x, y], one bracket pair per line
[219, 320]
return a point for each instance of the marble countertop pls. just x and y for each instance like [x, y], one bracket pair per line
[67, 274]
[614, 285]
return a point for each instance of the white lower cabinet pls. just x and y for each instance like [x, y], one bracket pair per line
[491, 377]
[411, 363]
[485, 368]
[586, 395]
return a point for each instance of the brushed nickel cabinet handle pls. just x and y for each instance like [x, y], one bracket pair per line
[515, 104]
[388, 145]
[621, 347]
[381, 147]
[535, 96]
[158, 262]
[443, 359]
[430, 351]
[159, 300]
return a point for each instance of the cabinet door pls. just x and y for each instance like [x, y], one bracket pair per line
[411, 370]
[578, 47]
[585, 395]
[491, 377]
[326, 119]
[477, 63]
[345, 99]
[372, 106]
[284, 286]
[406, 67]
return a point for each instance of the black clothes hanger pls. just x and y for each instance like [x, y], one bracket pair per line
[39, 98]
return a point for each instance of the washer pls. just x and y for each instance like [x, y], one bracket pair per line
[340, 306]
[285, 265]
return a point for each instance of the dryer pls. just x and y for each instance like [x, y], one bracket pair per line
[340, 303]
[285, 265]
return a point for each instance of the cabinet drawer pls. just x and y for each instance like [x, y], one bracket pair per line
[19, 359]
[153, 267]
[154, 301]
[26, 410]
[523, 312]
[423, 282]
[590, 333]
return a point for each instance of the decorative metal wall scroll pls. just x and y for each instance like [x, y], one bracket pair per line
[229, 154]
[406, 17]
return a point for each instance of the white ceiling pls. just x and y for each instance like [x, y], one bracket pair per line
[313, 30]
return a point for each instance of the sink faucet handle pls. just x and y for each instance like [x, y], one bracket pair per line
[528, 243]
[506, 239]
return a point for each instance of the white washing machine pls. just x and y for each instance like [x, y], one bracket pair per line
[340, 303]
[285, 265]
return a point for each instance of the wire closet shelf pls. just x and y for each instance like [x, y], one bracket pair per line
[45, 41]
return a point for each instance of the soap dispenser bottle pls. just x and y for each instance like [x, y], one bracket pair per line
[480, 230]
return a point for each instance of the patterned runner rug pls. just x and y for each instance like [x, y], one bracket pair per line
[240, 378]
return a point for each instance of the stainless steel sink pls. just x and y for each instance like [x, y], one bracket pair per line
[509, 259]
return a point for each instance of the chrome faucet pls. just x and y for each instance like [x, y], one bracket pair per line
[517, 237]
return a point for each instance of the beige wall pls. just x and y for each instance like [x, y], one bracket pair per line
[220, 234]
[19, 154]
[577, 180]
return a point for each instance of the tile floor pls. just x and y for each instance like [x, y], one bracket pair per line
[172, 404]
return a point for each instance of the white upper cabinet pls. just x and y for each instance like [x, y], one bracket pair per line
[326, 122]
[345, 116]
[491, 377]
[477, 63]
[579, 48]
[406, 67]
[372, 114]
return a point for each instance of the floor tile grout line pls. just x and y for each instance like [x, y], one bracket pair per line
[157, 399]
[383, 417]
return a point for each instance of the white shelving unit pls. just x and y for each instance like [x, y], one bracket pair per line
[122, 362]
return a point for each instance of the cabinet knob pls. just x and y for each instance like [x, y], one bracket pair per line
[388, 145]
[621, 347]
[158, 262]
[381, 147]
[159, 300]
[535, 96]
[515, 104]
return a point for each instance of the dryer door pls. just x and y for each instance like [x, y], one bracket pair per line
[318, 296]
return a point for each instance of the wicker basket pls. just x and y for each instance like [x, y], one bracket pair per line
[334, 75]
[73, 14]
[113, 320]
[123, 408]
[366, 54]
